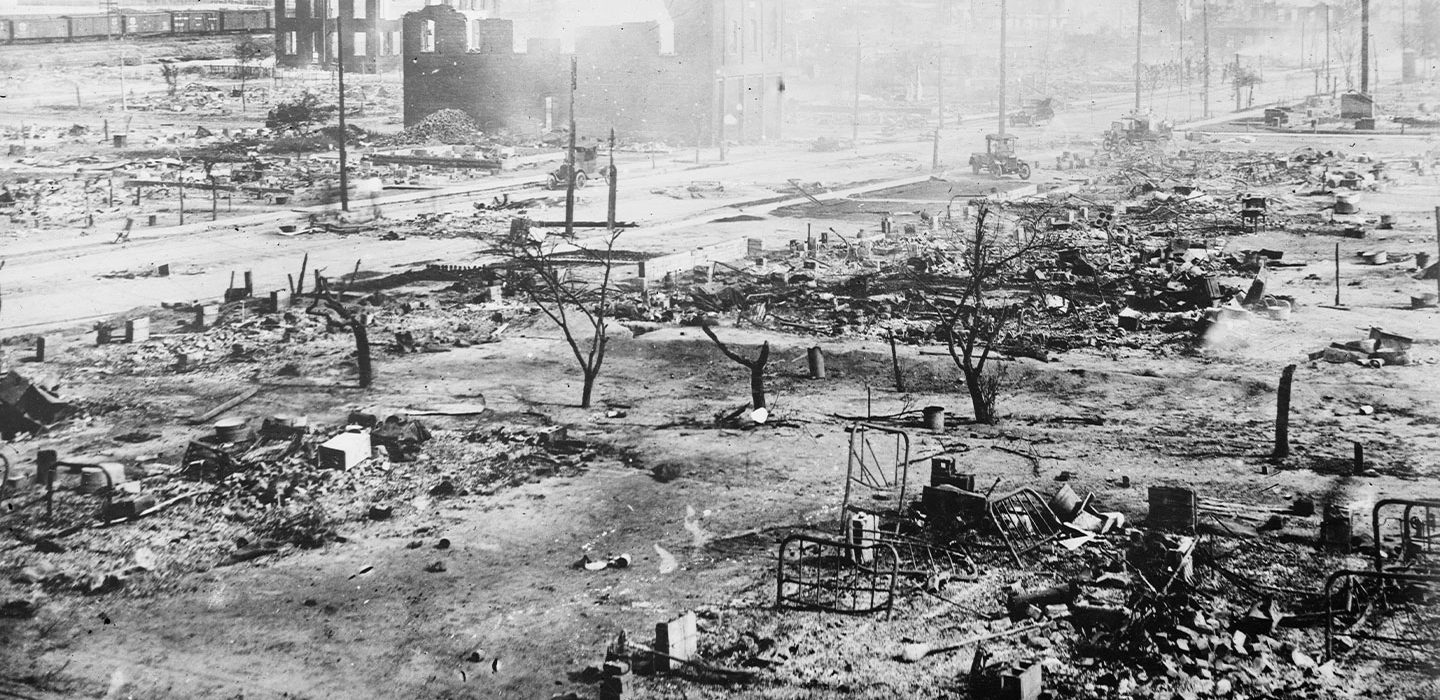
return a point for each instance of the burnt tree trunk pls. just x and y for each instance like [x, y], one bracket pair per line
[362, 350]
[756, 366]
[1282, 414]
[588, 388]
[757, 376]
[979, 402]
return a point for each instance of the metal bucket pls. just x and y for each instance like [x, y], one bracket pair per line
[934, 418]
[231, 429]
[92, 480]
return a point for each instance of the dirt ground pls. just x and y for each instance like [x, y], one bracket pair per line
[469, 588]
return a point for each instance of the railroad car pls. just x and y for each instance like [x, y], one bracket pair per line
[195, 21]
[244, 20]
[40, 29]
[94, 26]
[146, 23]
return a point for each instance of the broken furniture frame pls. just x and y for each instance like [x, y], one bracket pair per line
[1418, 535]
[864, 471]
[1024, 520]
[48, 462]
[1348, 575]
[818, 573]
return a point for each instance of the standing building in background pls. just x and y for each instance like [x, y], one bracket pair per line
[691, 71]
[306, 32]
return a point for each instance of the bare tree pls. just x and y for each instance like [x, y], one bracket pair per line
[347, 317]
[578, 304]
[246, 51]
[975, 315]
[171, 73]
[756, 366]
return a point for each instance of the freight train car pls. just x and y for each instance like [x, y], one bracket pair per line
[245, 20]
[146, 23]
[196, 21]
[94, 26]
[40, 29]
[132, 23]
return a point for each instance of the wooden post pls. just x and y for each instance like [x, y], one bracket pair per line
[1359, 458]
[1337, 274]
[895, 363]
[1282, 414]
[1437, 249]
[46, 462]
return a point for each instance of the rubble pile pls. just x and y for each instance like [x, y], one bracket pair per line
[1051, 595]
[450, 126]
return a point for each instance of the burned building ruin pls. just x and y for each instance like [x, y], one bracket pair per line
[724, 80]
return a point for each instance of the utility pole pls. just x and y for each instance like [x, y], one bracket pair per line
[1003, 17]
[340, 72]
[614, 186]
[1205, 25]
[1365, 47]
[1329, 82]
[939, 103]
[1139, 20]
[855, 110]
[570, 155]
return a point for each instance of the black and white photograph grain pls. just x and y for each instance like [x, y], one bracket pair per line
[713, 349]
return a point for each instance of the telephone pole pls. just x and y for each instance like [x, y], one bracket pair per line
[1364, 47]
[1139, 20]
[1329, 82]
[570, 156]
[340, 67]
[1003, 17]
[1205, 27]
[855, 110]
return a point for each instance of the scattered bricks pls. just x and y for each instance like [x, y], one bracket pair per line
[551, 435]
[206, 315]
[345, 450]
[1172, 507]
[1022, 683]
[677, 641]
